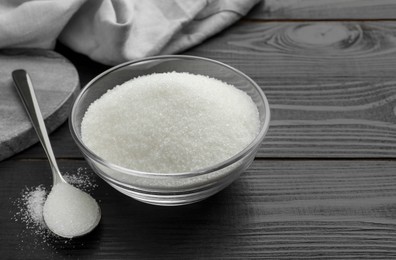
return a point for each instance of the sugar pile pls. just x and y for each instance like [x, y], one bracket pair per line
[30, 208]
[170, 122]
[70, 212]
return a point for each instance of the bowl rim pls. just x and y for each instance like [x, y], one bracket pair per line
[249, 148]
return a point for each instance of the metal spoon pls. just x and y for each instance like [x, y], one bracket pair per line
[25, 90]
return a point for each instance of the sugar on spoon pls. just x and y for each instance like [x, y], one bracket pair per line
[68, 211]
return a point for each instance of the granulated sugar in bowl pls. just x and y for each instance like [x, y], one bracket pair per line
[170, 130]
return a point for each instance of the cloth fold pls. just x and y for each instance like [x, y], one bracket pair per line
[115, 31]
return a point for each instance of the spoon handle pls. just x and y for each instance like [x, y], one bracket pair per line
[25, 90]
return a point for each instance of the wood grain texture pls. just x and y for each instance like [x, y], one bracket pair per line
[331, 86]
[278, 209]
[55, 81]
[324, 10]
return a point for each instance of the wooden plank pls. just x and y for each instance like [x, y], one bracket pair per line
[278, 209]
[324, 10]
[331, 86]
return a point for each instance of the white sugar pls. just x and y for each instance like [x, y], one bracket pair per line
[35, 203]
[81, 179]
[170, 122]
[70, 212]
[30, 207]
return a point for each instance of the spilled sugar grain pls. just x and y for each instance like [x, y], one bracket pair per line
[30, 212]
[82, 179]
[30, 209]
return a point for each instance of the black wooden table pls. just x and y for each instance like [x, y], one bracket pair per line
[323, 184]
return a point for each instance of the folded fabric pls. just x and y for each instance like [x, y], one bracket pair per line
[114, 31]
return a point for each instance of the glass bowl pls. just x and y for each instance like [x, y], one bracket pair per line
[169, 188]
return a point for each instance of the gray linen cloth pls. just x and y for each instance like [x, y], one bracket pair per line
[114, 31]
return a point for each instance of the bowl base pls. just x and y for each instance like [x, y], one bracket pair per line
[173, 200]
